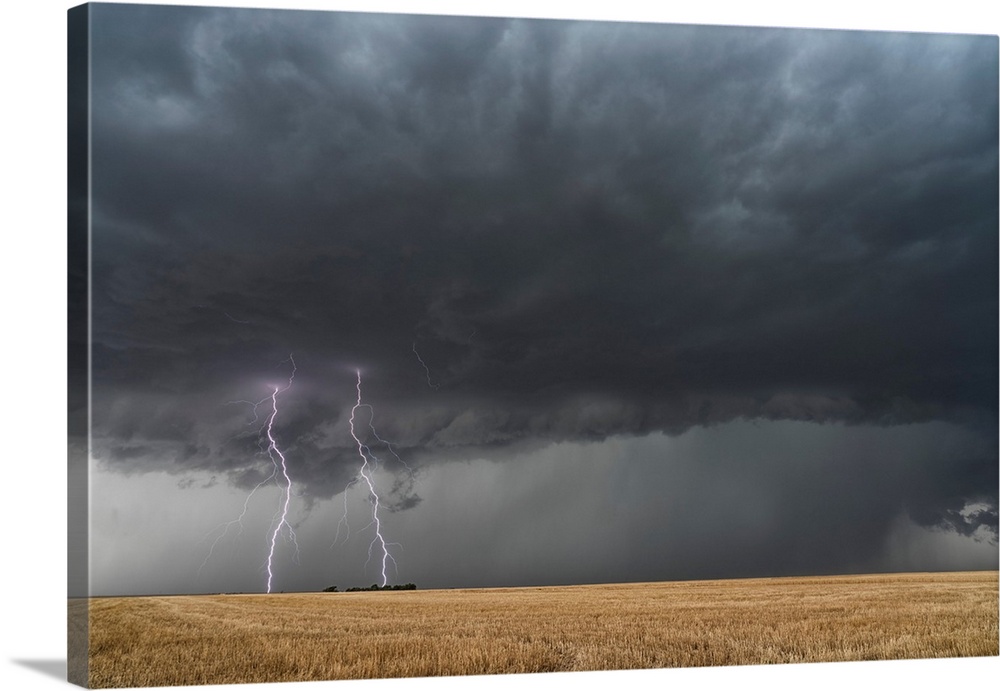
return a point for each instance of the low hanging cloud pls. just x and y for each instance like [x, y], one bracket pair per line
[587, 231]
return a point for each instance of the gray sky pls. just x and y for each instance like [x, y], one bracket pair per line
[693, 302]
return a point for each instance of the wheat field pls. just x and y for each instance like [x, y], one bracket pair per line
[216, 639]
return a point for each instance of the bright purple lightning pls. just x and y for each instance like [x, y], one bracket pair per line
[368, 464]
[272, 450]
[280, 467]
[279, 474]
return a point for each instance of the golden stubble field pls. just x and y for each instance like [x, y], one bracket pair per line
[217, 639]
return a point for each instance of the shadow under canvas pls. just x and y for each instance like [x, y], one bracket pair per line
[55, 668]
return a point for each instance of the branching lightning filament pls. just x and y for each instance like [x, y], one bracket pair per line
[279, 474]
[368, 464]
[273, 451]
[427, 370]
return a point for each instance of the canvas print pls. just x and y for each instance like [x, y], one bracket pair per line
[415, 346]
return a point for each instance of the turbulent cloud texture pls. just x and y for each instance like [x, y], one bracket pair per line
[583, 230]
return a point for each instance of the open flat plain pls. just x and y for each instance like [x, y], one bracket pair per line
[218, 639]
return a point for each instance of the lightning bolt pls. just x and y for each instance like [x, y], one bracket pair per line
[344, 524]
[279, 475]
[279, 467]
[238, 321]
[272, 451]
[427, 369]
[369, 462]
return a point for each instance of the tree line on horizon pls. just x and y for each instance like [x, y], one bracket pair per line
[373, 586]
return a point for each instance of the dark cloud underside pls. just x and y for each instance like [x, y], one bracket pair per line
[583, 229]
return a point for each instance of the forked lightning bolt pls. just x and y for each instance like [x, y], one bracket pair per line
[368, 464]
[279, 467]
[272, 451]
[279, 474]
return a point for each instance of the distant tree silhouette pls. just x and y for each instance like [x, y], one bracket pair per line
[376, 586]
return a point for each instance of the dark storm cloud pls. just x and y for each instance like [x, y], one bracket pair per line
[584, 229]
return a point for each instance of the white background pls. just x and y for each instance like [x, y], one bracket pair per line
[32, 336]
